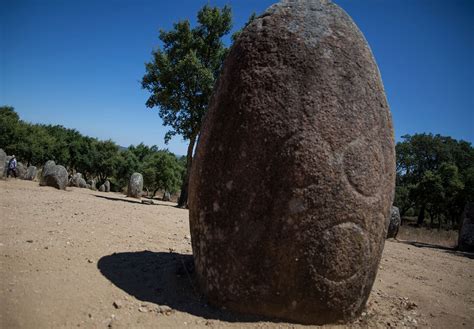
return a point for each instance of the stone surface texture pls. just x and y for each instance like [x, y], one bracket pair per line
[3, 162]
[54, 175]
[74, 181]
[93, 184]
[21, 170]
[166, 196]
[31, 173]
[135, 185]
[107, 186]
[82, 183]
[394, 224]
[294, 174]
[466, 231]
[47, 168]
[78, 181]
[7, 161]
[102, 188]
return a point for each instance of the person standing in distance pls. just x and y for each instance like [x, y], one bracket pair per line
[12, 167]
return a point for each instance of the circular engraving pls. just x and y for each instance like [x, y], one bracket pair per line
[363, 165]
[343, 250]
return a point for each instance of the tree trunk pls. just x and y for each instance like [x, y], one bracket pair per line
[183, 197]
[421, 216]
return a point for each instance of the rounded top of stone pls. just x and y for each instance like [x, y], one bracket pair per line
[312, 20]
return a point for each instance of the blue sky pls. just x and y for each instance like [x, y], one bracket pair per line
[79, 63]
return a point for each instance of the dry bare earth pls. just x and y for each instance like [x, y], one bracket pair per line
[89, 259]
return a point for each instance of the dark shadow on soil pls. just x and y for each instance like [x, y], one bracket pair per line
[134, 201]
[164, 278]
[448, 250]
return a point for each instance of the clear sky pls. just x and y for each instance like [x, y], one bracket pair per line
[79, 63]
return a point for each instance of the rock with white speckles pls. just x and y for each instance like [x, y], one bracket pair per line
[3, 163]
[107, 186]
[92, 184]
[77, 181]
[135, 185]
[54, 175]
[47, 168]
[394, 224]
[166, 196]
[294, 174]
[31, 173]
[21, 170]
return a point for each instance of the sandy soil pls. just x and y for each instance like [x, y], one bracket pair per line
[89, 259]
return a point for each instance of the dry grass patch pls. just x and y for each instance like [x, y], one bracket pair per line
[445, 238]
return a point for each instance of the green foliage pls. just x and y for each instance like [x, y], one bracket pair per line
[434, 174]
[9, 128]
[402, 198]
[127, 164]
[162, 170]
[141, 151]
[36, 144]
[182, 74]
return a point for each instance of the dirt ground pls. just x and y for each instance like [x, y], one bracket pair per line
[80, 258]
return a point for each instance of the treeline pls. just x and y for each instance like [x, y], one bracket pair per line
[435, 178]
[34, 144]
[435, 174]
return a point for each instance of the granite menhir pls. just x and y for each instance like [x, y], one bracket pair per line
[135, 185]
[395, 222]
[294, 174]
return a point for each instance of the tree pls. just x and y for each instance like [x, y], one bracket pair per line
[182, 74]
[141, 151]
[105, 161]
[9, 126]
[162, 170]
[127, 164]
[402, 198]
[453, 201]
[428, 193]
[435, 174]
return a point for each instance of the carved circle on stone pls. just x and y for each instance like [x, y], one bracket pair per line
[293, 167]
[363, 166]
[342, 250]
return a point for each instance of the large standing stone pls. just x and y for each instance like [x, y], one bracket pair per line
[82, 183]
[55, 176]
[3, 164]
[466, 231]
[107, 186]
[294, 175]
[21, 170]
[31, 173]
[74, 180]
[93, 184]
[394, 224]
[47, 168]
[102, 188]
[7, 163]
[77, 181]
[135, 186]
[166, 196]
